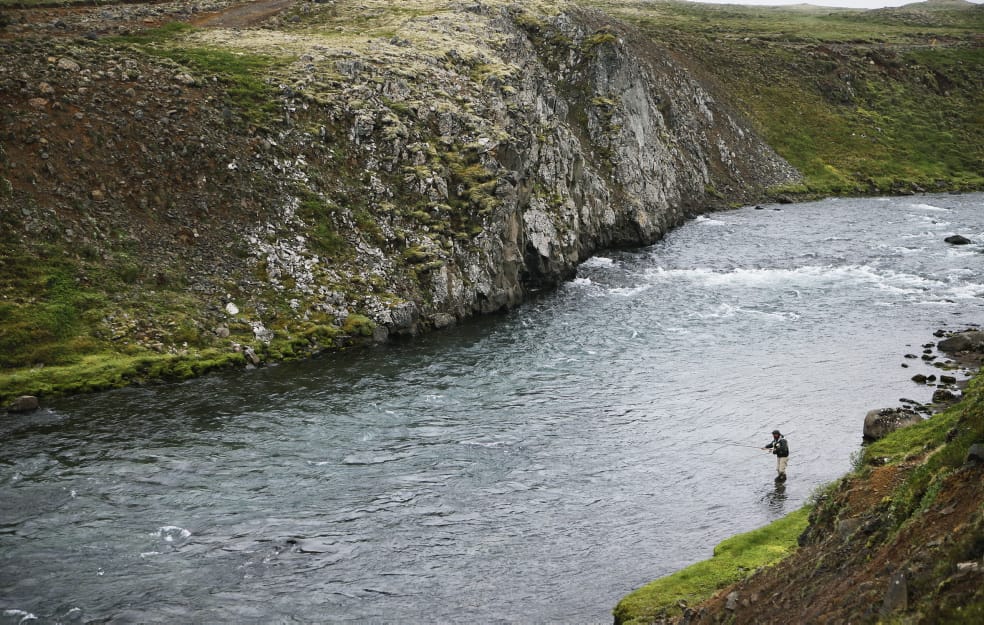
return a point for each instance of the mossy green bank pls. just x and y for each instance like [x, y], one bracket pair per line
[861, 102]
[732, 560]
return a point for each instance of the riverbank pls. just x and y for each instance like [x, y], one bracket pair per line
[899, 537]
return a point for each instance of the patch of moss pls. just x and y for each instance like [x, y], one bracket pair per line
[243, 75]
[358, 325]
[416, 255]
[733, 559]
[598, 39]
[161, 34]
[106, 370]
[322, 235]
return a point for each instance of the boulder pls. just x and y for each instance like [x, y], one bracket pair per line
[68, 64]
[880, 423]
[251, 356]
[972, 340]
[442, 320]
[896, 595]
[24, 403]
[957, 239]
[975, 454]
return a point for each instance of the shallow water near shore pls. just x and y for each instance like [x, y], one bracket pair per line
[529, 467]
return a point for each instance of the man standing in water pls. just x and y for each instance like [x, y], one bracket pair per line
[780, 448]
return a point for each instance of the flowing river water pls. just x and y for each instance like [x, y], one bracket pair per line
[531, 467]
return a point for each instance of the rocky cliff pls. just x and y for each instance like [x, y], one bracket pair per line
[279, 177]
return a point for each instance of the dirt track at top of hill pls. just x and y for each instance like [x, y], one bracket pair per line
[94, 22]
[244, 15]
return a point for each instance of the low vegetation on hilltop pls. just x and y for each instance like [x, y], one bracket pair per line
[183, 189]
[861, 102]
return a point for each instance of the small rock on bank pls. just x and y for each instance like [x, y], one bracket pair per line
[970, 341]
[882, 422]
[24, 403]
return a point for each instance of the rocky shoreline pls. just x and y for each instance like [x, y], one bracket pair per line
[959, 351]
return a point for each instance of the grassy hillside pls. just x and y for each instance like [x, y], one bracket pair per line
[861, 102]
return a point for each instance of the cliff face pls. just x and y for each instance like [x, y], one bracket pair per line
[342, 169]
[637, 145]
[553, 136]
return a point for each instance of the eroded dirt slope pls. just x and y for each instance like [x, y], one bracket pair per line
[854, 568]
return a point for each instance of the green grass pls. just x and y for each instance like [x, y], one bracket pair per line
[243, 75]
[792, 24]
[106, 370]
[945, 439]
[167, 32]
[859, 102]
[733, 559]
[937, 447]
[60, 315]
[51, 325]
[322, 234]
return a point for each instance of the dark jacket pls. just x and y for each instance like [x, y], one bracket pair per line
[779, 447]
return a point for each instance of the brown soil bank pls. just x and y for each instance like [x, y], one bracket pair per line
[856, 566]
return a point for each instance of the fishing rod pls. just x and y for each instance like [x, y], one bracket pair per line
[739, 444]
[733, 444]
[736, 444]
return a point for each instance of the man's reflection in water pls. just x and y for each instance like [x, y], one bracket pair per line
[776, 499]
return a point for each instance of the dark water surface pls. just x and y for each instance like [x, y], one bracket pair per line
[532, 467]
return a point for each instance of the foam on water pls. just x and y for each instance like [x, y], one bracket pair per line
[802, 277]
[703, 220]
[598, 261]
[929, 207]
[19, 616]
[629, 291]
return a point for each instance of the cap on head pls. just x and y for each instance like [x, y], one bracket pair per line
[776, 433]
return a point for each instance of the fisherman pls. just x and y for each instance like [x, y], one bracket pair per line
[780, 448]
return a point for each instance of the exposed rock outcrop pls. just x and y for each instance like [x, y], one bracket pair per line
[881, 422]
[968, 341]
[24, 403]
[576, 136]
[958, 239]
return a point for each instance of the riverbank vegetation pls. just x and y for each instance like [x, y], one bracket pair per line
[94, 295]
[911, 513]
[732, 560]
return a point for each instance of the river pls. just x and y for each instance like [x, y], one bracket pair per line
[530, 467]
